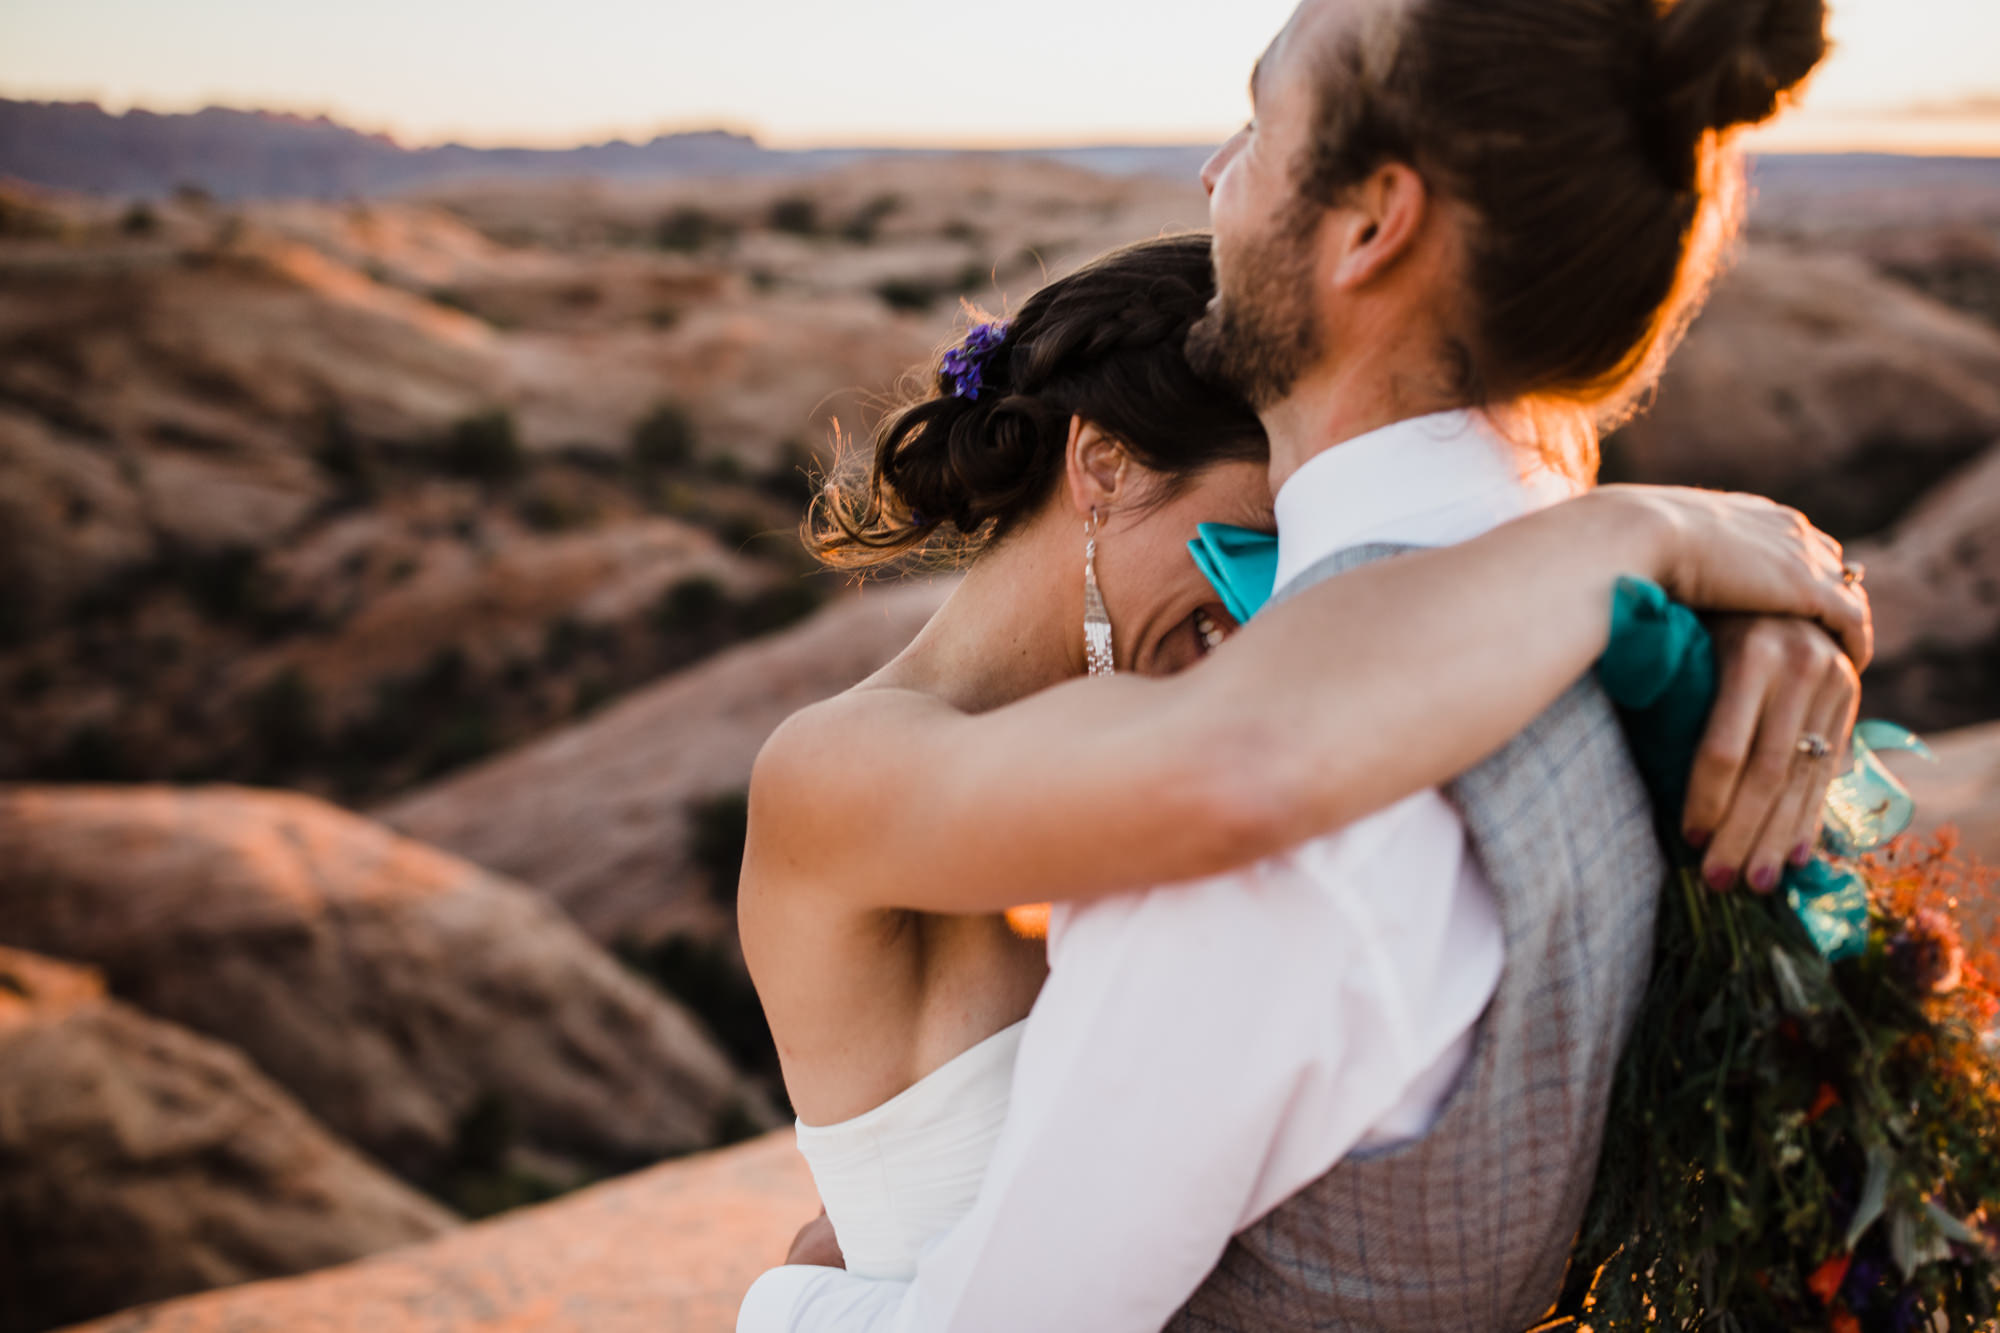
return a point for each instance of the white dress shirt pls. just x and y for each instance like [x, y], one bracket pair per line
[1203, 1051]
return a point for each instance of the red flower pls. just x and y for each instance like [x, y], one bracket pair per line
[1825, 1283]
[1843, 1322]
[1826, 1101]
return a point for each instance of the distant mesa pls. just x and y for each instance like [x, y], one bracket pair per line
[234, 154]
[237, 154]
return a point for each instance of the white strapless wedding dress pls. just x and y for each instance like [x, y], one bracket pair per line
[895, 1178]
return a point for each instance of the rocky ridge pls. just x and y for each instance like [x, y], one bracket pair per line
[140, 1161]
[1813, 378]
[434, 1014]
[1935, 581]
[598, 816]
[670, 1250]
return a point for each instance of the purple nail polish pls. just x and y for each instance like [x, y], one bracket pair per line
[1698, 838]
[1720, 878]
[1802, 855]
[1764, 878]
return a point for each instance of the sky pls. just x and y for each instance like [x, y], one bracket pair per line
[1919, 74]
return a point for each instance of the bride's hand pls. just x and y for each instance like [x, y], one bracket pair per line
[1723, 551]
[1755, 800]
[816, 1245]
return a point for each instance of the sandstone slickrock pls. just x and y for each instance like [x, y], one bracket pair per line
[1812, 378]
[275, 476]
[1935, 582]
[215, 340]
[1962, 789]
[69, 520]
[399, 992]
[596, 816]
[140, 1161]
[492, 603]
[669, 1250]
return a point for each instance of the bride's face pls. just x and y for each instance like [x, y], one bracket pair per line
[1163, 611]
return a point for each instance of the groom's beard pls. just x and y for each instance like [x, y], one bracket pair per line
[1260, 334]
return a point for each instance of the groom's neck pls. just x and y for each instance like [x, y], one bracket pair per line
[1328, 408]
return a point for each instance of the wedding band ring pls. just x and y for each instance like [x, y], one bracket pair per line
[1852, 574]
[1813, 746]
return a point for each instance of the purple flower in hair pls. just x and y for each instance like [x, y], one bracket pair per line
[965, 365]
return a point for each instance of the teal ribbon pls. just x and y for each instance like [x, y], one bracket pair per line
[1869, 806]
[1660, 670]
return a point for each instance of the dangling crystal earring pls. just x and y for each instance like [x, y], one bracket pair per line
[1096, 620]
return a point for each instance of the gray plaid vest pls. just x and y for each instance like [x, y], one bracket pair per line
[1468, 1229]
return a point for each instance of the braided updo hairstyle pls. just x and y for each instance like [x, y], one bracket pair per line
[1106, 344]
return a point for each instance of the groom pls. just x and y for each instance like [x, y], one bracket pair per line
[1363, 1085]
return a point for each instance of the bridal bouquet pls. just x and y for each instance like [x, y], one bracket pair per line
[1800, 1143]
[1805, 1131]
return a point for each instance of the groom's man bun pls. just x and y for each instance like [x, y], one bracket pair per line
[1719, 64]
[1589, 141]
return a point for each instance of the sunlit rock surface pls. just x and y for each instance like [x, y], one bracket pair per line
[670, 1250]
[1962, 789]
[407, 997]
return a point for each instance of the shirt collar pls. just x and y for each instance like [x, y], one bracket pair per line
[1429, 481]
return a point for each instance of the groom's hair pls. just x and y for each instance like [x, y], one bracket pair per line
[1587, 139]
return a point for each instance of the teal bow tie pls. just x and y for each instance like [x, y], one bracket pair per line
[1660, 670]
[1240, 564]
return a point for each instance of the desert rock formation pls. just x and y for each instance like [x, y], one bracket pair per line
[1935, 582]
[596, 816]
[491, 602]
[1961, 789]
[140, 1161]
[670, 1250]
[262, 476]
[1813, 378]
[401, 993]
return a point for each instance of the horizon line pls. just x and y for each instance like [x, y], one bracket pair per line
[1965, 129]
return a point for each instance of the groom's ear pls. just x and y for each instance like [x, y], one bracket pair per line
[1099, 474]
[1377, 224]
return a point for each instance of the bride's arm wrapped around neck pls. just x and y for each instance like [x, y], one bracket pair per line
[1336, 703]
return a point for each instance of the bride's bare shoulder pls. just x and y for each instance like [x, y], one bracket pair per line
[818, 791]
[833, 747]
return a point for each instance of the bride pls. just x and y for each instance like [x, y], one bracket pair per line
[893, 826]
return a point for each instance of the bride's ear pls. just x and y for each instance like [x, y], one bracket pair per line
[1099, 470]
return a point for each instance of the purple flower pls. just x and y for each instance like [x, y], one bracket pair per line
[964, 366]
[1862, 1280]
